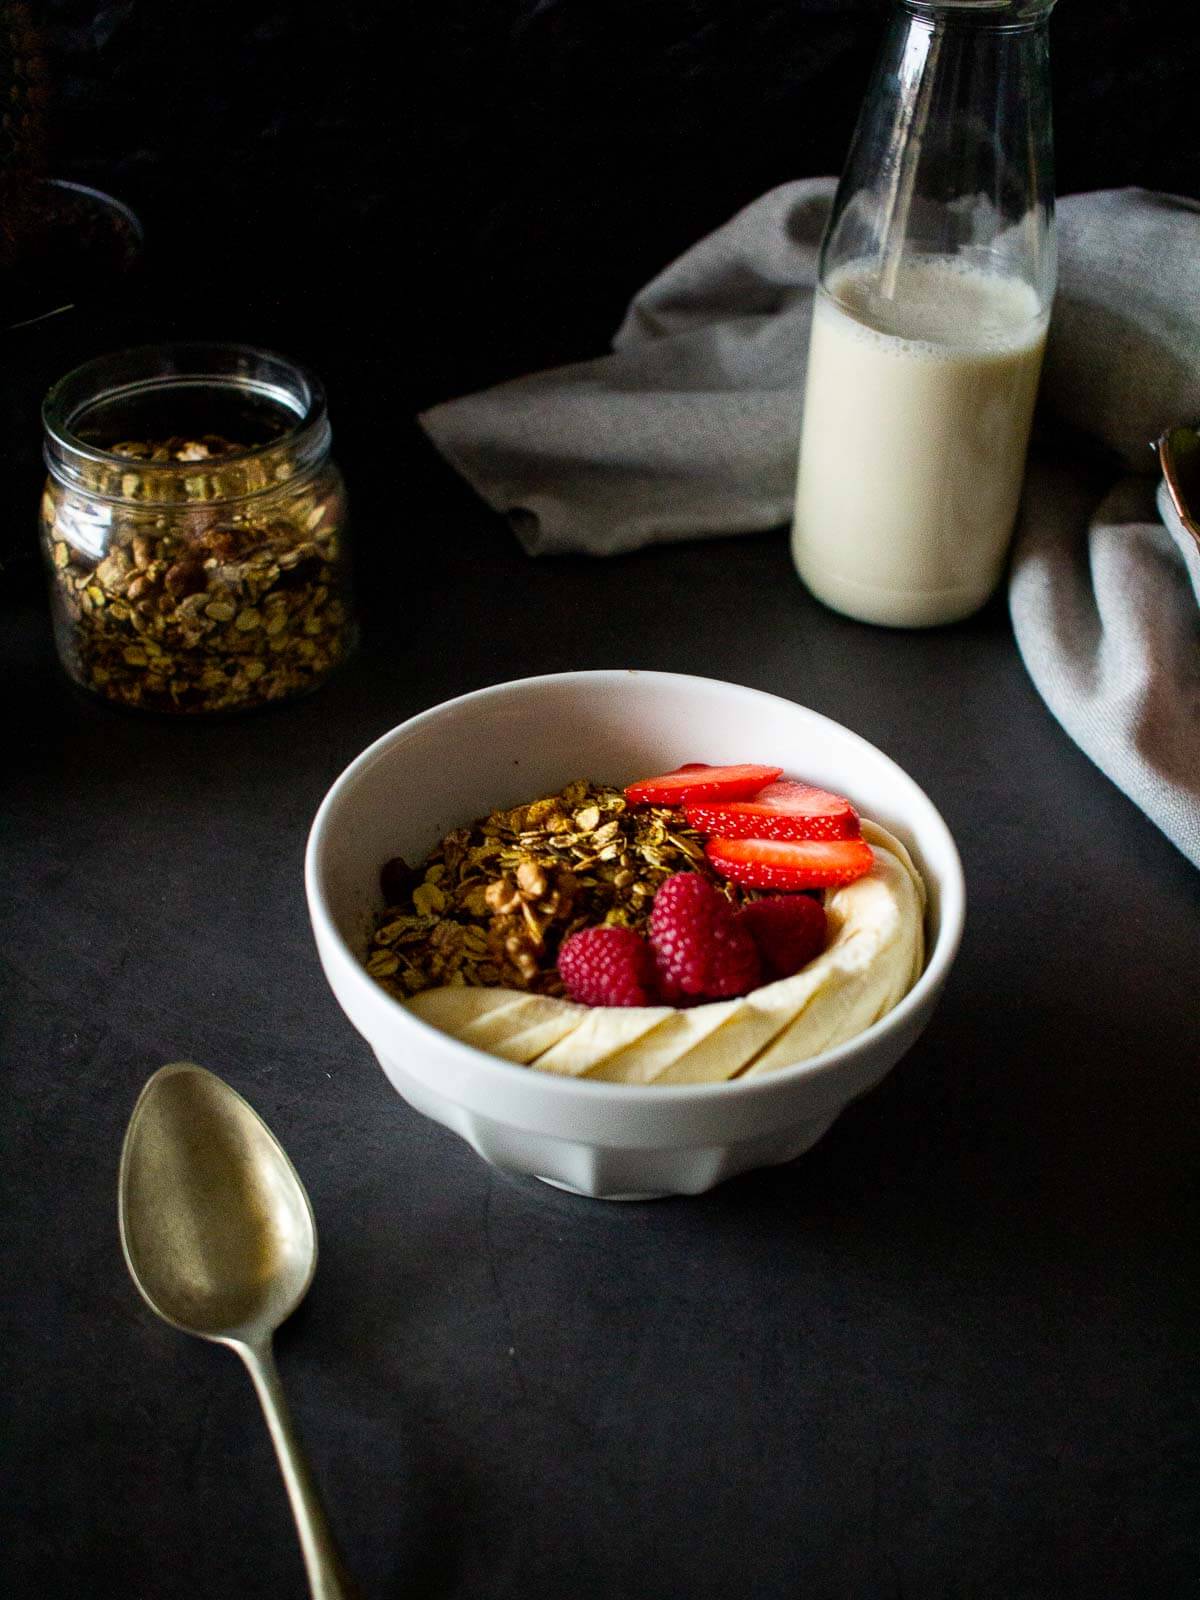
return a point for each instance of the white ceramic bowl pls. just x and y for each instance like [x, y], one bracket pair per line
[511, 743]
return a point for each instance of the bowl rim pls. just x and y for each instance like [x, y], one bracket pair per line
[939, 960]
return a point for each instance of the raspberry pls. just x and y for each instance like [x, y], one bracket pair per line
[608, 967]
[699, 945]
[789, 930]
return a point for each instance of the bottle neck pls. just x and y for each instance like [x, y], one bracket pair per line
[953, 153]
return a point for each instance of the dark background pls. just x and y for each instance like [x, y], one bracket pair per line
[455, 192]
[422, 200]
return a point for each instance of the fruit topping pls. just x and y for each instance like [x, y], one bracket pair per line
[783, 810]
[790, 863]
[608, 967]
[638, 898]
[789, 930]
[697, 781]
[700, 947]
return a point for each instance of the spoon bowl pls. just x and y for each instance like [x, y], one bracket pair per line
[219, 1237]
[216, 1225]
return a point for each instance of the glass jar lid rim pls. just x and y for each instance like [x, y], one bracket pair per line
[174, 364]
[998, 11]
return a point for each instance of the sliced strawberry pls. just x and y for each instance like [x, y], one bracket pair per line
[784, 810]
[697, 781]
[791, 863]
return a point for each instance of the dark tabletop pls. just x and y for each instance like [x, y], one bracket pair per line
[950, 1352]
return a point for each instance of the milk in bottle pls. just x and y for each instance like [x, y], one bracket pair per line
[936, 279]
[916, 418]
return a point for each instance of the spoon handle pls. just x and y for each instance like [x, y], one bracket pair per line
[326, 1576]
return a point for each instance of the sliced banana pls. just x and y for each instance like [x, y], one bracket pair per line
[877, 835]
[457, 1006]
[604, 1031]
[516, 1026]
[673, 1039]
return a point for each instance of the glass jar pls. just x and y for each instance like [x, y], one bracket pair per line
[193, 524]
[936, 278]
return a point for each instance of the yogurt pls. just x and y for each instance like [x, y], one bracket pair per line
[917, 413]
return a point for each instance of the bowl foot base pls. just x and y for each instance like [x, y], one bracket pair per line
[569, 1188]
[704, 1170]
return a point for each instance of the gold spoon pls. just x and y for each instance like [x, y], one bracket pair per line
[219, 1237]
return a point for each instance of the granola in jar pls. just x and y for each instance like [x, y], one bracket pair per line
[201, 569]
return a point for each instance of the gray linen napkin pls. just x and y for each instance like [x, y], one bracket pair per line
[689, 428]
[1105, 602]
[1104, 594]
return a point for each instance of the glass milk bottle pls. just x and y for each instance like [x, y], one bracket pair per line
[936, 277]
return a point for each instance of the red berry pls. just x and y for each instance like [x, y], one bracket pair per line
[789, 930]
[699, 945]
[697, 781]
[608, 967]
[784, 810]
[791, 863]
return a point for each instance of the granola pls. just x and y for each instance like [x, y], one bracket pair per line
[194, 605]
[493, 902]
